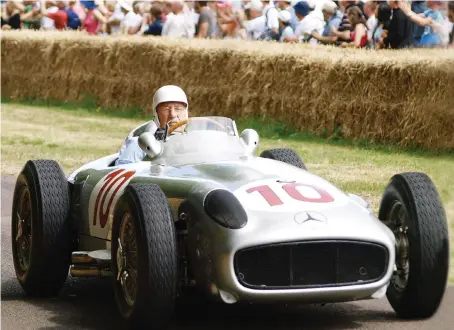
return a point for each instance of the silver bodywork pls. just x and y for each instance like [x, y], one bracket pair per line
[193, 164]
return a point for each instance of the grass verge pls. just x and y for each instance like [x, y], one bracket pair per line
[267, 128]
[76, 136]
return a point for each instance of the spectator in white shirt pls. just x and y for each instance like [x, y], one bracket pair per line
[114, 21]
[333, 18]
[167, 9]
[271, 15]
[132, 21]
[255, 27]
[308, 23]
[369, 11]
[285, 22]
[181, 23]
[46, 22]
[286, 5]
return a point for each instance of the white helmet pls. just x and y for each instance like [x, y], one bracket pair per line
[168, 93]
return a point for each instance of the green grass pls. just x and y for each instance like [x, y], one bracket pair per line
[73, 136]
[268, 128]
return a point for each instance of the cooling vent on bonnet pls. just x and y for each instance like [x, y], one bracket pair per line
[311, 264]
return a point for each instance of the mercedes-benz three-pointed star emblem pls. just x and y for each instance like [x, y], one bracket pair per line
[303, 217]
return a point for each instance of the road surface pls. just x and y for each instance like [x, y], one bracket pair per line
[89, 304]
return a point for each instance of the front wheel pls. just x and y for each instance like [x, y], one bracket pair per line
[144, 257]
[412, 209]
[40, 228]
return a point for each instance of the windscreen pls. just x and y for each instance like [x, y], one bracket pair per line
[202, 139]
[213, 123]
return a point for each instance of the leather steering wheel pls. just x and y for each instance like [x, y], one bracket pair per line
[184, 122]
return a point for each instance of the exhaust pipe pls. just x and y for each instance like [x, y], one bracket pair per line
[82, 258]
[89, 271]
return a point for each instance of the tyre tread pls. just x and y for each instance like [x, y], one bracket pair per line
[51, 247]
[285, 155]
[427, 282]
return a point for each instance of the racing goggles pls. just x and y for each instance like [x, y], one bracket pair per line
[168, 108]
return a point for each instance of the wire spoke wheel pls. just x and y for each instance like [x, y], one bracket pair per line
[23, 237]
[143, 227]
[41, 238]
[127, 259]
[412, 209]
[398, 223]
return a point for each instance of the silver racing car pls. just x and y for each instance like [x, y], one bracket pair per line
[202, 211]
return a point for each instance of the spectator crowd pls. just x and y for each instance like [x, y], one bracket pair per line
[360, 24]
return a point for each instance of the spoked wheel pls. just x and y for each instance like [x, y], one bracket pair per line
[412, 209]
[144, 255]
[41, 228]
[23, 234]
[127, 259]
[397, 221]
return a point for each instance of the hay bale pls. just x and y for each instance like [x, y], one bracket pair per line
[403, 97]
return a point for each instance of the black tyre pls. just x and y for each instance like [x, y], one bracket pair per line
[41, 228]
[284, 155]
[412, 209]
[145, 266]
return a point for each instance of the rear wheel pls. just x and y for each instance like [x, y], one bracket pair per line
[40, 228]
[144, 257]
[288, 156]
[412, 209]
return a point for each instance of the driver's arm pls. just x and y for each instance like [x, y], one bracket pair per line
[130, 152]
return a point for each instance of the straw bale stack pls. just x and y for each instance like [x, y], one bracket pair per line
[404, 97]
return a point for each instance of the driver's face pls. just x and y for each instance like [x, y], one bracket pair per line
[171, 112]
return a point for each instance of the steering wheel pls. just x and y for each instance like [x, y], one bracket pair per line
[184, 122]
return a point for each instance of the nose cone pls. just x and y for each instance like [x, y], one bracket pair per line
[351, 222]
[315, 209]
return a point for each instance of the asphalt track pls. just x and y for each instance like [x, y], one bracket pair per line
[89, 304]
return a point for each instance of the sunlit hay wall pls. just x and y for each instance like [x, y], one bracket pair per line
[404, 97]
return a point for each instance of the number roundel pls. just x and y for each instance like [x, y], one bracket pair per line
[273, 199]
[107, 194]
[295, 194]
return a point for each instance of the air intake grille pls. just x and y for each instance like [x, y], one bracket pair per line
[311, 264]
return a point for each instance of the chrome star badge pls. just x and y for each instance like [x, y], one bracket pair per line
[310, 216]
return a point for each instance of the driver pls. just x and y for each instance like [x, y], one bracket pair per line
[170, 106]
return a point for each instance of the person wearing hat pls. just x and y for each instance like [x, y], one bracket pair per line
[284, 21]
[60, 17]
[131, 22]
[333, 18]
[170, 106]
[287, 5]
[93, 17]
[301, 11]
[308, 22]
[255, 26]
[229, 28]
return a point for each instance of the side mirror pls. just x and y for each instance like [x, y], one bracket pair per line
[250, 138]
[148, 143]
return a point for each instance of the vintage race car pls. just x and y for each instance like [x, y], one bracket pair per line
[202, 211]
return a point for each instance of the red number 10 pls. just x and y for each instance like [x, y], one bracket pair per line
[290, 188]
